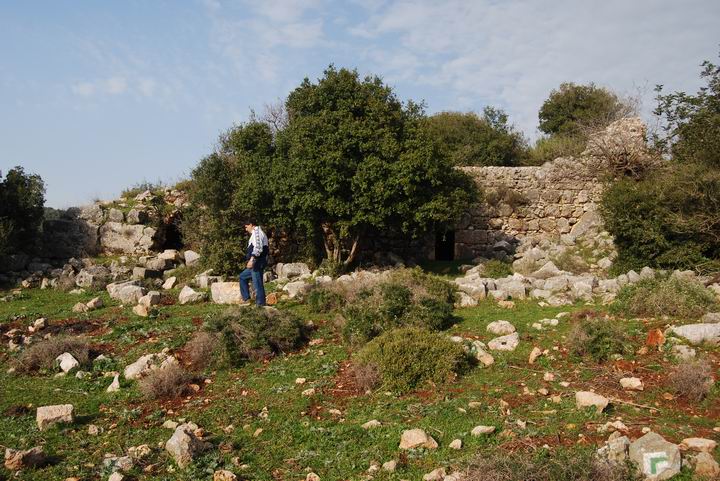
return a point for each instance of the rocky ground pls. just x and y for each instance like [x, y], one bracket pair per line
[302, 416]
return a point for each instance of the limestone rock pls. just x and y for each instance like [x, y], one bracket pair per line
[631, 383]
[585, 399]
[297, 288]
[127, 292]
[291, 270]
[190, 296]
[191, 257]
[546, 271]
[455, 444]
[16, 460]
[534, 354]
[390, 466]
[435, 475]
[500, 328]
[127, 239]
[705, 466]
[150, 299]
[184, 446]
[505, 343]
[481, 430]
[159, 264]
[169, 283]
[656, 458]
[226, 293]
[416, 438]
[373, 423]
[224, 475]
[93, 277]
[141, 310]
[478, 348]
[79, 307]
[67, 362]
[147, 363]
[683, 352]
[114, 385]
[95, 303]
[700, 445]
[699, 333]
[615, 449]
[48, 416]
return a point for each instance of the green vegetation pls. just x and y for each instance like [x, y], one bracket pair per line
[471, 139]
[22, 197]
[599, 338]
[411, 358]
[497, 269]
[666, 296]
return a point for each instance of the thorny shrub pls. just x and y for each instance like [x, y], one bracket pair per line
[599, 339]
[665, 296]
[167, 382]
[42, 355]
[692, 380]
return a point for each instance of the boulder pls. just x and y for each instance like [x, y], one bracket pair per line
[147, 363]
[546, 271]
[189, 296]
[16, 460]
[48, 416]
[141, 310]
[478, 349]
[94, 303]
[225, 293]
[159, 264]
[699, 333]
[505, 343]
[631, 383]
[416, 438]
[500, 328]
[116, 215]
[191, 257]
[127, 292]
[67, 362]
[297, 288]
[136, 216]
[145, 273]
[169, 283]
[291, 270]
[150, 299]
[482, 430]
[93, 277]
[184, 446]
[585, 399]
[705, 466]
[466, 300]
[127, 239]
[170, 254]
[700, 445]
[656, 458]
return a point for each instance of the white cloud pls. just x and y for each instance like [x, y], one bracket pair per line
[116, 85]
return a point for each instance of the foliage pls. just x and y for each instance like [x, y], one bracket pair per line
[573, 109]
[356, 160]
[253, 333]
[671, 219]
[22, 197]
[692, 122]
[411, 358]
[471, 139]
[496, 269]
[42, 355]
[408, 297]
[167, 382]
[324, 300]
[599, 338]
[692, 380]
[547, 149]
[156, 188]
[665, 296]
[202, 350]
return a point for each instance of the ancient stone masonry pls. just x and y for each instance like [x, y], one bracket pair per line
[527, 204]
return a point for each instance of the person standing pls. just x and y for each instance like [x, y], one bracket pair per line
[257, 255]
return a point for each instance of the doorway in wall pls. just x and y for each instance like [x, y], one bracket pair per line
[445, 245]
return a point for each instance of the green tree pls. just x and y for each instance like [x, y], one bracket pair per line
[469, 139]
[22, 197]
[573, 109]
[356, 160]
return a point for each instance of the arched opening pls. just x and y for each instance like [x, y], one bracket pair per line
[445, 245]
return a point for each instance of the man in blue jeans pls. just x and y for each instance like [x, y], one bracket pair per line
[257, 254]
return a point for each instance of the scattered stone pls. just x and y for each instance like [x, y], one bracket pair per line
[94, 430]
[700, 445]
[615, 449]
[16, 460]
[95, 303]
[312, 477]
[534, 354]
[481, 354]
[184, 446]
[116, 476]
[224, 475]
[169, 424]
[656, 458]
[309, 392]
[141, 310]
[169, 283]
[189, 296]
[115, 385]
[699, 333]
[390, 466]
[500, 328]
[146, 364]
[373, 423]
[191, 258]
[455, 444]
[481, 430]
[585, 399]
[683, 352]
[705, 466]
[67, 362]
[150, 299]
[225, 293]
[435, 475]
[505, 343]
[128, 292]
[48, 416]
[631, 383]
[416, 438]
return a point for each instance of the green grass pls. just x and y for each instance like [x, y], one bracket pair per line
[300, 432]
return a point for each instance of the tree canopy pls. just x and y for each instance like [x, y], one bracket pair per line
[22, 197]
[470, 139]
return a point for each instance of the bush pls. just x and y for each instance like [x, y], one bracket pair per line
[42, 355]
[547, 149]
[202, 350]
[692, 380]
[665, 296]
[324, 300]
[167, 382]
[558, 465]
[22, 197]
[497, 269]
[410, 358]
[252, 333]
[599, 339]
[408, 297]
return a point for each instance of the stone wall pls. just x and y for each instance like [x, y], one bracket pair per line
[527, 205]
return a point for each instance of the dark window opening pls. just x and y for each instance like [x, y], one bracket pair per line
[445, 245]
[173, 237]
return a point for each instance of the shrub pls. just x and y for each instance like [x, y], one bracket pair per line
[665, 296]
[202, 349]
[22, 197]
[692, 380]
[560, 465]
[410, 358]
[324, 300]
[496, 269]
[599, 339]
[42, 355]
[547, 149]
[367, 376]
[168, 382]
[408, 297]
[251, 333]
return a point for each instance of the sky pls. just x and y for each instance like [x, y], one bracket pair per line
[97, 96]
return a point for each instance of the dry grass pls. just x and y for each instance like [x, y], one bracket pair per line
[165, 383]
[692, 380]
[202, 349]
[42, 355]
[556, 466]
[367, 376]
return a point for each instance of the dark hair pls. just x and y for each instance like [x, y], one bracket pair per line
[250, 220]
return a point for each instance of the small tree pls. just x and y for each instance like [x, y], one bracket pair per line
[355, 159]
[470, 139]
[22, 197]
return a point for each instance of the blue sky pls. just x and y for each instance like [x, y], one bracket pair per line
[99, 95]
